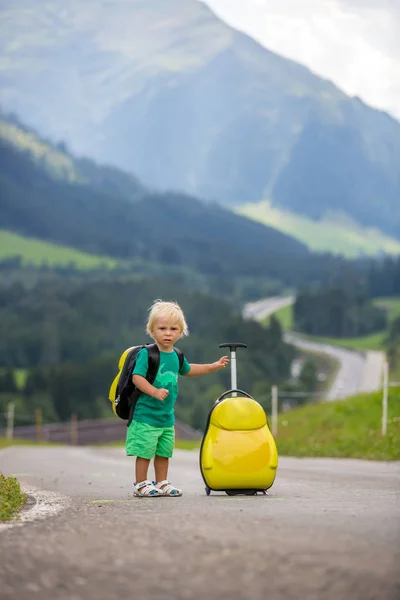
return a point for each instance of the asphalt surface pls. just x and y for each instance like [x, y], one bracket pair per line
[359, 372]
[328, 530]
[261, 309]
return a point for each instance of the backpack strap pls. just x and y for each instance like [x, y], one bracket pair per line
[154, 362]
[180, 356]
[152, 368]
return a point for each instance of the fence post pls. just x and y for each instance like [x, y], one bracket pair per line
[385, 397]
[274, 407]
[10, 421]
[39, 424]
[74, 429]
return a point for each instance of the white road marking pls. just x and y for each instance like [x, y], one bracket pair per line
[48, 504]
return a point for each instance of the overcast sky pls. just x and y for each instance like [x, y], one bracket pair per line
[354, 43]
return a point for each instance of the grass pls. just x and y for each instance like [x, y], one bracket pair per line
[391, 305]
[179, 444]
[335, 234]
[36, 252]
[187, 444]
[284, 316]
[11, 497]
[374, 341]
[348, 428]
[5, 443]
[20, 377]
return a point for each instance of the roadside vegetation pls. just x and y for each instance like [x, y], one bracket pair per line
[11, 497]
[348, 428]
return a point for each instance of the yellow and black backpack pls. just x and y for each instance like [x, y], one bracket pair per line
[123, 393]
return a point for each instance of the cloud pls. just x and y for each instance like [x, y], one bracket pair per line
[354, 43]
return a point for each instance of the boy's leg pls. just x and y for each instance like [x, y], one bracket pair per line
[161, 467]
[164, 451]
[141, 441]
[142, 467]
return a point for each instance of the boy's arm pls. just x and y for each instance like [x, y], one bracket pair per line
[145, 386]
[208, 368]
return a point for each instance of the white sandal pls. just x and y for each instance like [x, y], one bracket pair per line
[167, 489]
[146, 489]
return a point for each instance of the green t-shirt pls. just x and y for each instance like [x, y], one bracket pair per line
[159, 413]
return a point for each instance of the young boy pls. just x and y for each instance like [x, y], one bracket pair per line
[151, 433]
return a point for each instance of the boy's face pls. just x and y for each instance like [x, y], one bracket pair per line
[166, 334]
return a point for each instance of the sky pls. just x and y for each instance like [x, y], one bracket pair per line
[353, 43]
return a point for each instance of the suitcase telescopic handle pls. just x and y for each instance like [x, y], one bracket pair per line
[233, 346]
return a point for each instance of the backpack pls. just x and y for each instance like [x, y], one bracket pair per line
[123, 393]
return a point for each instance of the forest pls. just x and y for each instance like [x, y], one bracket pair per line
[345, 308]
[68, 337]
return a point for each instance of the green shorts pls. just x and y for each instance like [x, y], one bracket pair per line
[147, 441]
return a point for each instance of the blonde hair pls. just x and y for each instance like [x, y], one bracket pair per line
[170, 311]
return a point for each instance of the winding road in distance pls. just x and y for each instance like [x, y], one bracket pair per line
[359, 372]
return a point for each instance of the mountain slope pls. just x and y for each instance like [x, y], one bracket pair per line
[169, 92]
[333, 233]
[173, 229]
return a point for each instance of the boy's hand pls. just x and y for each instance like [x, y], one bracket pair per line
[161, 394]
[222, 362]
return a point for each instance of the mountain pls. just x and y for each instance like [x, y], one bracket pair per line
[47, 194]
[166, 90]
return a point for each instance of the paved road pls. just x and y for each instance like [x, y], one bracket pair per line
[358, 371]
[261, 309]
[328, 530]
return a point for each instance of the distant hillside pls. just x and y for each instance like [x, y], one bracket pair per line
[333, 233]
[167, 91]
[59, 164]
[49, 196]
[37, 252]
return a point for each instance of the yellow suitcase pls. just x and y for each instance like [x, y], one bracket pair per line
[238, 454]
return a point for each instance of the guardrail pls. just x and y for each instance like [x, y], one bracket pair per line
[83, 433]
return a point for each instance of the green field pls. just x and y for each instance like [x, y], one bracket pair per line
[375, 341]
[36, 252]
[284, 316]
[333, 234]
[392, 305]
[348, 428]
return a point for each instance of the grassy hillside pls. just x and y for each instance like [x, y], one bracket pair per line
[284, 316]
[57, 162]
[330, 234]
[348, 428]
[37, 252]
